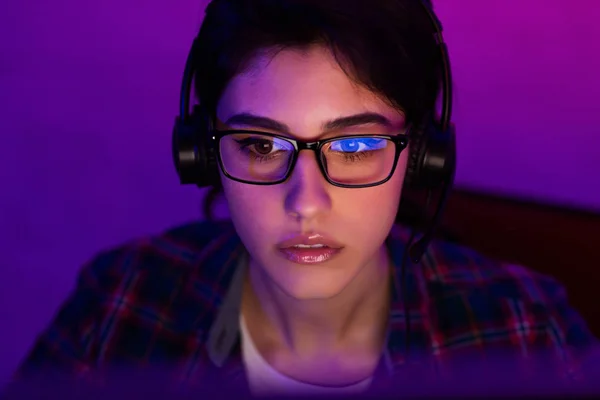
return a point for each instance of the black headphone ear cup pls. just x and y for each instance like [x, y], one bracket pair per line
[195, 150]
[431, 166]
[438, 162]
[432, 158]
[417, 144]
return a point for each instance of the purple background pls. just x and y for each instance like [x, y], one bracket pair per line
[89, 91]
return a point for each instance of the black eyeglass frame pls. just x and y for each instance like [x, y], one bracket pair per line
[400, 142]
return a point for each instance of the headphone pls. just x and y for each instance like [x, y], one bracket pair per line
[432, 159]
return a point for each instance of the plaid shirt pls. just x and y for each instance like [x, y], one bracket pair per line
[169, 306]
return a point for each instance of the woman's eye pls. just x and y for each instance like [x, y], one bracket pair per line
[263, 147]
[358, 144]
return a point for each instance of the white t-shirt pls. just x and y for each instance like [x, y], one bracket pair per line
[265, 380]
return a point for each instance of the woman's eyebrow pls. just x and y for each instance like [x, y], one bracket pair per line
[257, 121]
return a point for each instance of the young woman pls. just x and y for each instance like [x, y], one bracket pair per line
[304, 292]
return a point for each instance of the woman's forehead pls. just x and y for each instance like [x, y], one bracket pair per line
[302, 89]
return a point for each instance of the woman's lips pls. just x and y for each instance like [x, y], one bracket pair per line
[309, 248]
[309, 256]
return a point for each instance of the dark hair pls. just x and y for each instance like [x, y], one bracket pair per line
[387, 46]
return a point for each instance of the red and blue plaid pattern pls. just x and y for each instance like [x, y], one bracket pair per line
[167, 305]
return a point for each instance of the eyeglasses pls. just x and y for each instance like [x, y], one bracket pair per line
[355, 161]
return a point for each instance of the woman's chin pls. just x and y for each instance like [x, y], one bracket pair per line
[312, 282]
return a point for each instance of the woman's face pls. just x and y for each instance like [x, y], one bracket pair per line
[301, 91]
